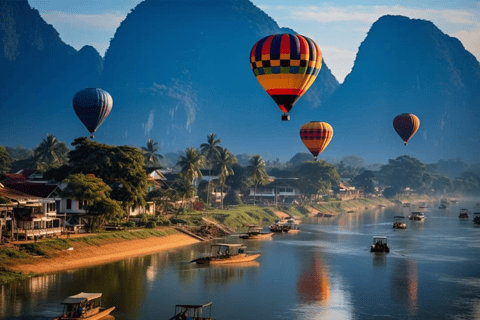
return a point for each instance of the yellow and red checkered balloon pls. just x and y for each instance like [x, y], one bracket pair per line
[316, 136]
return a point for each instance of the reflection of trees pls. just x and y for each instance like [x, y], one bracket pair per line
[379, 259]
[405, 284]
[313, 285]
[228, 273]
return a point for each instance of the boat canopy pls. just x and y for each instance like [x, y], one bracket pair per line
[230, 245]
[193, 306]
[399, 217]
[81, 297]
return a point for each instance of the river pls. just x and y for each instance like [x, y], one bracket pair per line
[324, 272]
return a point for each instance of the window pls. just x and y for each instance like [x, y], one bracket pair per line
[82, 204]
[69, 204]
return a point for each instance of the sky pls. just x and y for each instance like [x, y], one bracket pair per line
[337, 27]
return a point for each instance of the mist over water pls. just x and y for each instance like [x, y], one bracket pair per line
[324, 272]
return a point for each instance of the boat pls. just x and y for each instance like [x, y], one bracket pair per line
[443, 204]
[399, 222]
[476, 218]
[193, 312]
[417, 215]
[379, 244]
[422, 205]
[463, 214]
[287, 225]
[222, 253]
[406, 205]
[85, 306]
[255, 232]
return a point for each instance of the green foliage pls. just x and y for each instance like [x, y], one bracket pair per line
[232, 199]
[390, 192]
[365, 181]
[403, 172]
[151, 224]
[224, 164]
[130, 224]
[151, 157]
[300, 158]
[191, 164]
[50, 153]
[5, 160]
[11, 253]
[257, 172]
[316, 177]
[161, 221]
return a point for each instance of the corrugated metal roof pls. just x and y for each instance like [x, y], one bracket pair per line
[81, 297]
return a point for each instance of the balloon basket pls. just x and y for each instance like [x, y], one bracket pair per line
[285, 117]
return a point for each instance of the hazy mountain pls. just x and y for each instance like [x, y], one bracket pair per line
[408, 65]
[179, 70]
[40, 74]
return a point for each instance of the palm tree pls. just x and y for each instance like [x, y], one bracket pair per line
[191, 164]
[51, 152]
[257, 172]
[224, 165]
[185, 189]
[152, 158]
[211, 151]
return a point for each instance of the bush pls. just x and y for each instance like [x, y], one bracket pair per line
[151, 224]
[162, 221]
[130, 224]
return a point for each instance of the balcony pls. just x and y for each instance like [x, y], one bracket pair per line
[40, 233]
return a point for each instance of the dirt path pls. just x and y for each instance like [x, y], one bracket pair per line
[280, 214]
[84, 255]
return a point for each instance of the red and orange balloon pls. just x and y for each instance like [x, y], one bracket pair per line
[316, 136]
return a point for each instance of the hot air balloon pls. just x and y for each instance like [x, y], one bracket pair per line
[316, 136]
[286, 66]
[406, 125]
[92, 106]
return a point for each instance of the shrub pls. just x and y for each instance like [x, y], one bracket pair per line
[130, 224]
[162, 221]
[151, 224]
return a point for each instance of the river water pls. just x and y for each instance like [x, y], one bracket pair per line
[324, 272]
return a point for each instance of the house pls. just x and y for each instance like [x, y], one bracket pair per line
[149, 209]
[346, 192]
[28, 216]
[277, 191]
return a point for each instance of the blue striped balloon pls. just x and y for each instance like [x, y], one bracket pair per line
[92, 106]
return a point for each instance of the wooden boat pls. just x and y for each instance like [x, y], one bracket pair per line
[255, 232]
[84, 306]
[463, 214]
[193, 312]
[285, 226]
[406, 205]
[476, 218]
[417, 215]
[399, 222]
[223, 253]
[379, 244]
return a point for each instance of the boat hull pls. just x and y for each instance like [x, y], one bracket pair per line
[399, 226]
[231, 259]
[98, 316]
[257, 236]
[374, 249]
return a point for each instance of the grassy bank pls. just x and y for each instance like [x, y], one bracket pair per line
[28, 252]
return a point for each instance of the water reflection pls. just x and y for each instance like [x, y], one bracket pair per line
[380, 259]
[405, 284]
[313, 285]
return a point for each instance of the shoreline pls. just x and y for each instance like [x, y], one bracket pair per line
[86, 255]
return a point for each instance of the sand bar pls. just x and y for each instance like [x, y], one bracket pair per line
[84, 255]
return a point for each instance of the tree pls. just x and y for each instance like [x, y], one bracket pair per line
[203, 190]
[257, 173]
[121, 168]
[316, 177]
[185, 189]
[152, 158]
[442, 184]
[403, 172]
[365, 181]
[224, 164]
[96, 193]
[5, 160]
[191, 164]
[300, 158]
[50, 153]
[211, 152]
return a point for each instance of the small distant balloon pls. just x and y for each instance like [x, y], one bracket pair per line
[406, 125]
[286, 65]
[316, 136]
[92, 106]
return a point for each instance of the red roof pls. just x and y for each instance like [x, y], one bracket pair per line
[27, 172]
[15, 195]
[34, 189]
[14, 176]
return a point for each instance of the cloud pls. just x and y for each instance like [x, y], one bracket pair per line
[338, 59]
[105, 21]
[149, 125]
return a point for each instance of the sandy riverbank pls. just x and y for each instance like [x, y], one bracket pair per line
[85, 255]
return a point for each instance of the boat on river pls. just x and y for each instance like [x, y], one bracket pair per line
[379, 244]
[399, 222]
[287, 225]
[222, 253]
[463, 214]
[193, 312]
[255, 232]
[84, 306]
[476, 218]
[444, 204]
[417, 215]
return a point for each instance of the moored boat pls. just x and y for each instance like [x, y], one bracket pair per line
[193, 312]
[379, 244]
[223, 253]
[463, 214]
[399, 222]
[85, 306]
[287, 225]
[255, 232]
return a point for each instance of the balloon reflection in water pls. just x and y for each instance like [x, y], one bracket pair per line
[405, 284]
[313, 285]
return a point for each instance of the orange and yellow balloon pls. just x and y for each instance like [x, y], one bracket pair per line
[406, 125]
[316, 136]
[286, 66]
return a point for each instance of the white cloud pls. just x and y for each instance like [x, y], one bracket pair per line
[105, 21]
[149, 125]
[338, 59]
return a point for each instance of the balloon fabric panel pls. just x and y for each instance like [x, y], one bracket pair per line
[406, 125]
[316, 136]
[285, 65]
[92, 106]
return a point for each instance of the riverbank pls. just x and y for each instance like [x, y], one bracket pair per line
[55, 255]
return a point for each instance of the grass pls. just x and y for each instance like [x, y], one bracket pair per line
[241, 215]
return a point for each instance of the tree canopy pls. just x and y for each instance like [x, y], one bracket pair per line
[316, 177]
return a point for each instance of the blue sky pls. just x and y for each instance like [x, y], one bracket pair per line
[338, 27]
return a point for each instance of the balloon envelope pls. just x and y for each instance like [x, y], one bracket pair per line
[406, 125]
[316, 136]
[92, 106]
[286, 66]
